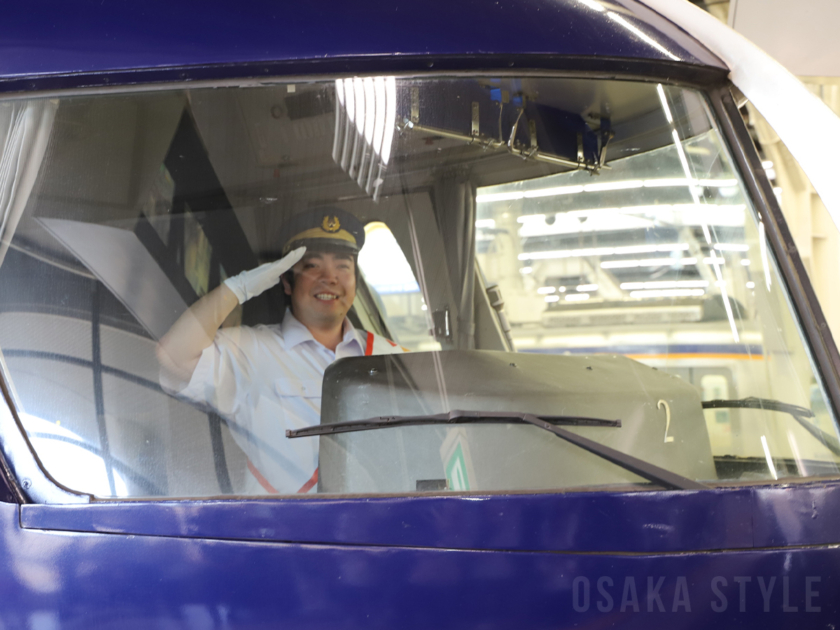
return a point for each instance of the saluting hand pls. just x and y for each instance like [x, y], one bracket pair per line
[251, 283]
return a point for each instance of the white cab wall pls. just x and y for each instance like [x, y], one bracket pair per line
[801, 35]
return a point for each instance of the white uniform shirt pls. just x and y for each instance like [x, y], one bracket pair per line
[265, 380]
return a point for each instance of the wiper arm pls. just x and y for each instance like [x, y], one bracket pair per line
[651, 472]
[798, 413]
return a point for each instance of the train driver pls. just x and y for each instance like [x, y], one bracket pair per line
[266, 379]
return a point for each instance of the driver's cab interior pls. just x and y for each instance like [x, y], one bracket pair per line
[548, 246]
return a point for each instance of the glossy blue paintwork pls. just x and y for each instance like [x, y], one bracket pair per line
[45, 37]
[639, 522]
[635, 522]
[75, 580]
[808, 515]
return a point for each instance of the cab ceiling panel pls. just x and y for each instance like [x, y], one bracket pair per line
[262, 141]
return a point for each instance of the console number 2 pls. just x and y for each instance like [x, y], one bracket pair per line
[660, 405]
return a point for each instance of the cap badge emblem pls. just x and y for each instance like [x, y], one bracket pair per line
[330, 224]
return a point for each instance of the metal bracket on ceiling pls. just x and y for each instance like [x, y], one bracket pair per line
[475, 131]
[531, 152]
[605, 134]
[415, 105]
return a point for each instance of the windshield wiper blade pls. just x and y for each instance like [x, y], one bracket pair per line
[795, 411]
[651, 472]
[451, 417]
[759, 403]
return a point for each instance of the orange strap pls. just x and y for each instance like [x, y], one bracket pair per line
[308, 485]
[369, 348]
[271, 489]
[263, 481]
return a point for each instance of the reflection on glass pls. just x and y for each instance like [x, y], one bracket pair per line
[71, 461]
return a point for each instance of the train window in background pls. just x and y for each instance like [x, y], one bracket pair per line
[398, 297]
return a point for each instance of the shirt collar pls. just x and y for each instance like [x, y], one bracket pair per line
[295, 333]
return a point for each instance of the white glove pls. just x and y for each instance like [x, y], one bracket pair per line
[251, 283]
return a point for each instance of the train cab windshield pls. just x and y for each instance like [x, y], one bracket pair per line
[554, 284]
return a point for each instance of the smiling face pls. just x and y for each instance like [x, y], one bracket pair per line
[324, 289]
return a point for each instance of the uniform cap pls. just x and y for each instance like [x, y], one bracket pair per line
[323, 229]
